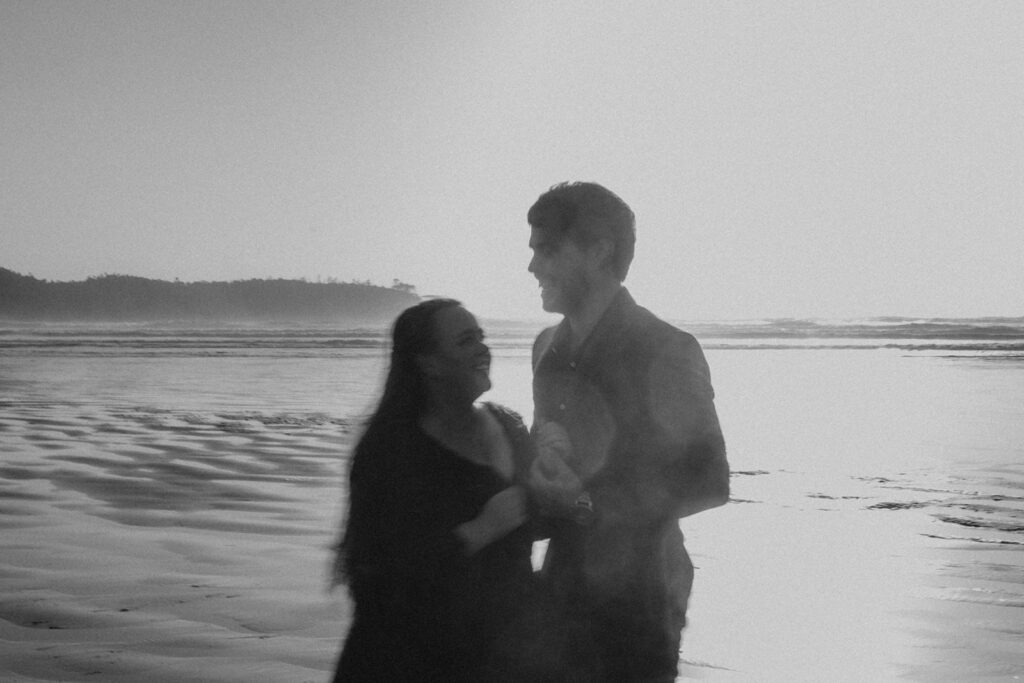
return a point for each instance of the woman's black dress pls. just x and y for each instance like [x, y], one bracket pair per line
[423, 610]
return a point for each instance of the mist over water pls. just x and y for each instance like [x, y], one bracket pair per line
[336, 370]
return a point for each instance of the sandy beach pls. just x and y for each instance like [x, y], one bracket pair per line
[162, 547]
[866, 539]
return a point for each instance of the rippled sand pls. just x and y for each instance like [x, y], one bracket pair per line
[158, 546]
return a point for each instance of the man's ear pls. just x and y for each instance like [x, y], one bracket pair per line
[601, 252]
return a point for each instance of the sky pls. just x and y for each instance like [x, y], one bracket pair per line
[783, 159]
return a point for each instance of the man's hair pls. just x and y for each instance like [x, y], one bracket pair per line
[586, 213]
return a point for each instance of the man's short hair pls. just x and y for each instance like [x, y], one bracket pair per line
[586, 213]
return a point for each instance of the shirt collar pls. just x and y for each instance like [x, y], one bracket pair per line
[610, 320]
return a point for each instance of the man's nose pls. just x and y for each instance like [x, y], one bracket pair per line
[532, 267]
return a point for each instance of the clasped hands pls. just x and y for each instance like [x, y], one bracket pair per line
[553, 483]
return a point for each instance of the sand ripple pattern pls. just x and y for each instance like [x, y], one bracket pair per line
[158, 545]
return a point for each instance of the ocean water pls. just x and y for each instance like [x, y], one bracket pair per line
[913, 404]
[916, 425]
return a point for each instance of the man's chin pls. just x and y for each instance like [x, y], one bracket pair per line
[550, 303]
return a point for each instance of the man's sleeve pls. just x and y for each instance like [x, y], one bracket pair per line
[680, 397]
[680, 468]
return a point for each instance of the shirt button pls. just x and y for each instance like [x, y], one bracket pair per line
[561, 406]
[572, 365]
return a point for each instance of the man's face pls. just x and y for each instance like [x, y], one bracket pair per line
[563, 271]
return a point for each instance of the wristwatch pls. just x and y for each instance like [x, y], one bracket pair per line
[583, 509]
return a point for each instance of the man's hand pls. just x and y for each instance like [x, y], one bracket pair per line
[551, 480]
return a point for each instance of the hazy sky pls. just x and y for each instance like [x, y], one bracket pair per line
[830, 159]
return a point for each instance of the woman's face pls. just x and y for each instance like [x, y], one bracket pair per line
[461, 361]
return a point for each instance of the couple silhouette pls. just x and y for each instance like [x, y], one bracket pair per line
[447, 495]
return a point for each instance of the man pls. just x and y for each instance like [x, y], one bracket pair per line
[625, 400]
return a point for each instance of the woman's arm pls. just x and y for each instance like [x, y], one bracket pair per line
[502, 514]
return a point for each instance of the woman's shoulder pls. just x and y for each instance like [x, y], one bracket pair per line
[509, 419]
[516, 433]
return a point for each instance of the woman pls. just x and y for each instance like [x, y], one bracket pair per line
[436, 551]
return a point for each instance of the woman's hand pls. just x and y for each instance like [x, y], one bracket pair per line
[500, 516]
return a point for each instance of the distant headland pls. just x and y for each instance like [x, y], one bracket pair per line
[130, 298]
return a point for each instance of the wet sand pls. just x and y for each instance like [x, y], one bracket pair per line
[862, 584]
[158, 546]
[163, 545]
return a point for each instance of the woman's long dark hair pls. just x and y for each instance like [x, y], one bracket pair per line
[402, 402]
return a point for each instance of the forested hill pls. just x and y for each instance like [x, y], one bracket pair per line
[130, 298]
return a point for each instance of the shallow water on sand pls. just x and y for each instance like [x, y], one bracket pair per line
[877, 523]
[876, 527]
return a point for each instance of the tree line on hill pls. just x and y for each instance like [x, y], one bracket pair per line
[131, 298]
